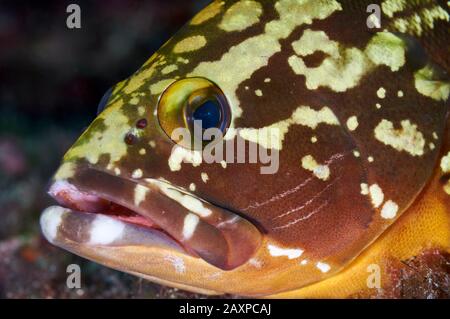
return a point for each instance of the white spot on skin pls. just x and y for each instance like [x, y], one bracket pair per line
[376, 195]
[356, 153]
[139, 194]
[192, 187]
[137, 173]
[304, 262]
[142, 151]
[288, 252]
[364, 189]
[190, 224]
[241, 15]
[381, 93]
[117, 171]
[378, 106]
[177, 263]
[204, 177]
[267, 80]
[389, 210]
[50, 220]
[445, 163]
[352, 123]
[432, 146]
[180, 154]
[314, 139]
[323, 267]
[223, 164]
[105, 230]
[152, 144]
[435, 136]
[258, 93]
[408, 138]
[370, 159]
[320, 171]
[187, 201]
[400, 93]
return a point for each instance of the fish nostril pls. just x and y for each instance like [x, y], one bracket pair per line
[141, 124]
[130, 139]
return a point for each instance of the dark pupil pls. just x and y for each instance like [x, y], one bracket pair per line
[208, 113]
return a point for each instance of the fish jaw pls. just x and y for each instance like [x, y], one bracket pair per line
[99, 209]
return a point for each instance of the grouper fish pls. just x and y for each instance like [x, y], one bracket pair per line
[334, 156]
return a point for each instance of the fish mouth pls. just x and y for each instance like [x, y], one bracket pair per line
[98, 209]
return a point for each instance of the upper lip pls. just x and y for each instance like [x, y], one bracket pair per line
[219, 236]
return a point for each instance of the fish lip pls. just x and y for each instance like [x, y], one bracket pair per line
[219, 236]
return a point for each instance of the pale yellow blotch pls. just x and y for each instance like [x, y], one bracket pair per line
[108, 141]
[421, 21]
[258, 93]
[376, 195]
[169, 69]
[370, 159]
[400, 93]
[340, 71]
[208, 13]
[141, 110]
[254, 53]
[381, 92]
[408, 138]
[378, 106]
[134, 101]
[152, 144]
[387, 49]
[190, 44]
[272, 136]
[140, 192]
[356, 153]
[432, 146]
[159, 87]
[241, 15]
[352, 123]
[138, 79]
[389, 210]
[435, 136]
[223, 164]
[390, 7]
[65, 171]
[117, 171]
[313, 139]
[182, 60]
[320, 171]
[142, 151]
[426, 84]
[267, 80]
[192, 187]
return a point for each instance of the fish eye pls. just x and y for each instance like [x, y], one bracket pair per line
[195, 105]
[104, 101]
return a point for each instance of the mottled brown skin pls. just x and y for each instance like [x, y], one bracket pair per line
[344, 222]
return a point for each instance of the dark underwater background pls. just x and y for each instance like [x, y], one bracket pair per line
[51, 80]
